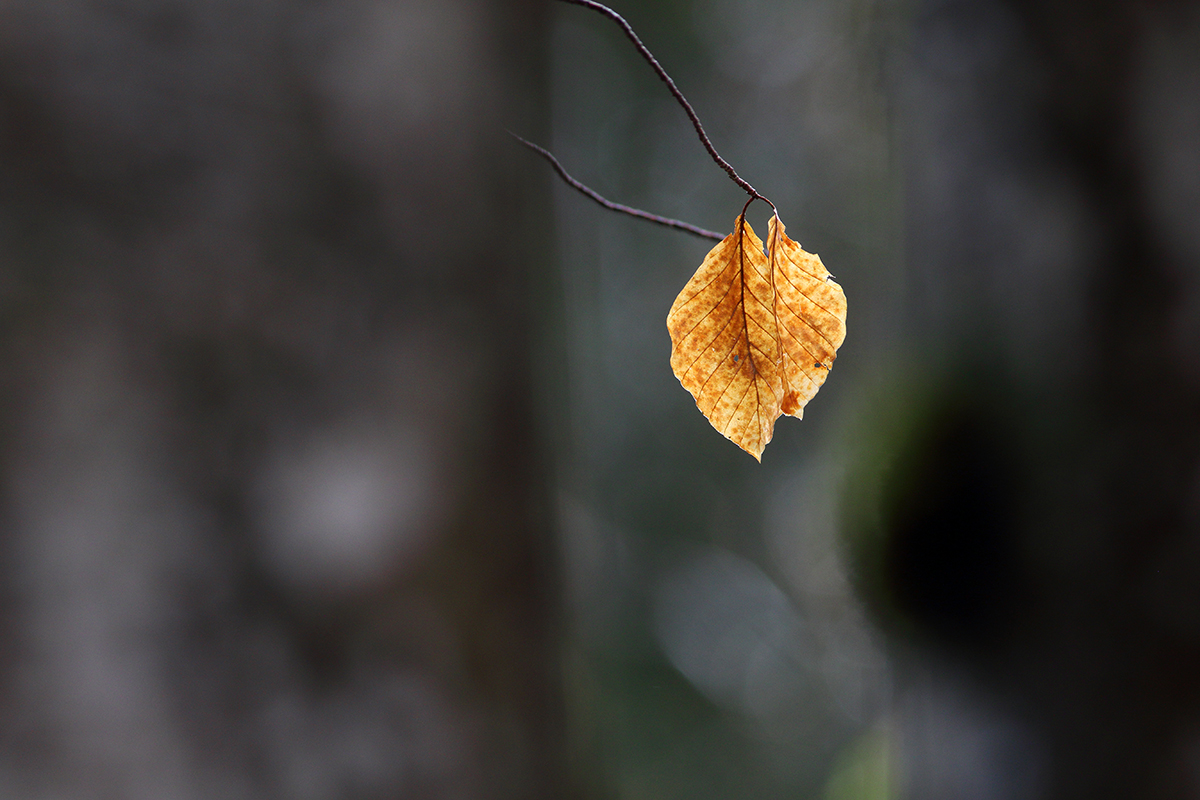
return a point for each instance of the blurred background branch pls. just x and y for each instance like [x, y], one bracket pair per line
[276, 511]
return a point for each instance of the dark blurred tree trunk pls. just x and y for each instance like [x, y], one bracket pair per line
[274, 499]
[1041, 528]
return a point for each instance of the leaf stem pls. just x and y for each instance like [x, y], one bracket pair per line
[634, 212]
[678, 95]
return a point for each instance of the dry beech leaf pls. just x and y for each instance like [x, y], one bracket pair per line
[810, 311]
[725, 349]
[754, 333]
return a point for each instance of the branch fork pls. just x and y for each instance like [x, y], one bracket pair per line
[691, 113]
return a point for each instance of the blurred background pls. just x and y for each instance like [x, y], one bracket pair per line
[340, 456]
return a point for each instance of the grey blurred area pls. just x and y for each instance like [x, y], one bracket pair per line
[340, 455]
[274, 506]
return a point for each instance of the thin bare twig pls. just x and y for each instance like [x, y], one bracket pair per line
[678, 95]
[636, 212]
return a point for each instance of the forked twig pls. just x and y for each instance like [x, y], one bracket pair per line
[624, 209]
[687, 107]
[678, 95]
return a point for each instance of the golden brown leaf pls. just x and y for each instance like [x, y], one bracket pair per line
[725, 348]
[810, 309]
[753, 334]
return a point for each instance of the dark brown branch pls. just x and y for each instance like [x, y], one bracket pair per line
[678, 95]
[634, 212]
